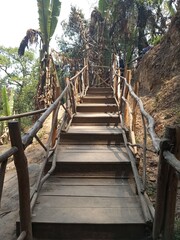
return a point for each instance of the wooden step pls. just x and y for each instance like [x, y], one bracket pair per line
[98, 99]
[100, 94]
[92, 135]
[95, 160]
[97, 107]
[99, 90]
[82, 118]
[76, 208]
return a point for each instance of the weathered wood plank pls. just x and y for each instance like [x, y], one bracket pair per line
[106, 191]
[89, 215]
[94, 148]
[87, 202]
[102, 157]
[95, 129]
[88, 181]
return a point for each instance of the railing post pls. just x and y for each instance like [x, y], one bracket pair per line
[166, 190]
[2, 175]
[161, 192]
[118, 85]
[54, 134]
[126, 95]
[168, 233]
[23, 179]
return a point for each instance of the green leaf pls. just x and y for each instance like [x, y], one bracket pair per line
[56, 8]
[44, 13]
[6, 107]
[49, 11]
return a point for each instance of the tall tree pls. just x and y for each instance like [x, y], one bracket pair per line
[49, 11]
[20, 77]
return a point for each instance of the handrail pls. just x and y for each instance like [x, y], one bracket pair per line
[167, 185]
[8, 154]
[69, 110]
[150, 120]
[172, 160]
[127, 107]
[169, 165]
[27, 114]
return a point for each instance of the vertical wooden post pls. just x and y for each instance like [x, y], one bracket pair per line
[118, 85]
[114, 77]
[161, 192]
[23, 179]
[174, 135]
[115, 85]
[166, 190]
[136, 89]
[177, 146]
[170, 208]
[54, 134]
[67, 93]
[87, 72]
[126, 95]
[2, 175]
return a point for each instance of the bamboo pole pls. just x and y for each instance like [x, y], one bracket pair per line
[23, 179]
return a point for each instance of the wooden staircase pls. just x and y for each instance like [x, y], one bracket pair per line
[91, 194]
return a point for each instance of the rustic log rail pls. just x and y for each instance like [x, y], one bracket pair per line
[169, 172]
[169, 164]
[20, 144]
[128, 106]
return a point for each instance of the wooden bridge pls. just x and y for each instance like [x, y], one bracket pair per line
[89, 187]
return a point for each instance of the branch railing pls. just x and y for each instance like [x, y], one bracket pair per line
[131, 107]
[75, 88]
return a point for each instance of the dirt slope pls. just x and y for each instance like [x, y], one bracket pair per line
[159, 76]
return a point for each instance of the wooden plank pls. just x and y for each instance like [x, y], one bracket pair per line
[105, 191]
[96, 114]
[88, 181]
[92, 157]
[87, 202]
[97, 105]
[98, 174]
[89, 215]
[95, 129]
[90, 148]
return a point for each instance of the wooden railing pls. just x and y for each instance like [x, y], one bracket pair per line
[75, 88]
[169, 164]
[167, 184]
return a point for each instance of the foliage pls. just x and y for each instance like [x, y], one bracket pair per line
[5, 102]
[73, 41]
[49, 11]
[134, 24]
[19, 76]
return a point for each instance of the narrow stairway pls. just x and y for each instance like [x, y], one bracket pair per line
[91, 195]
